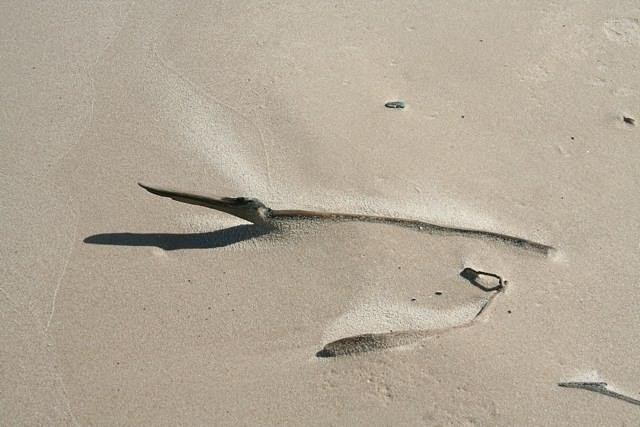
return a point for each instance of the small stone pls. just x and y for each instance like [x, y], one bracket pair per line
[394, 104]
[629, 120]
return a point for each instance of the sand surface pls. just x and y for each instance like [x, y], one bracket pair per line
[120, 307]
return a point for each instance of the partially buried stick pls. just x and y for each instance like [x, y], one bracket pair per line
[599, 387]
[381, 341]
[253, 210]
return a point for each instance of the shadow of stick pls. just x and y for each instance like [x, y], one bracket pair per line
[171, 242]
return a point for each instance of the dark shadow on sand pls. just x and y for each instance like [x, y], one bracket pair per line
[171, 242]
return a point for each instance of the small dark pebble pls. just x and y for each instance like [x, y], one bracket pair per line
[438, 293]
[509, 311]
[413, 299]
[629, 120]
[462, 117]
[394, 104]
[572, 138]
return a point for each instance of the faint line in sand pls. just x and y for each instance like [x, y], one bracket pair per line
[39, 330]
[62, 274]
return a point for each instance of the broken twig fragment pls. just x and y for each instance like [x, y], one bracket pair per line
[599, 387]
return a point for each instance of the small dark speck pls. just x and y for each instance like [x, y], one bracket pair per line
[394, 104]
[33, 68]
[413, 299]
[208, 308]
[509, 311]
[144, 308]
[481, 40]
[462, 117]
[438, 293]
[117, 363]
[629, 120]
[399, 268]
[189, 280]
[572, 138]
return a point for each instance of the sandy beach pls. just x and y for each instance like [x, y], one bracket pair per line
[120, 307]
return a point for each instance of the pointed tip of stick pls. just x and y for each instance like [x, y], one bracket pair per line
[151, 189]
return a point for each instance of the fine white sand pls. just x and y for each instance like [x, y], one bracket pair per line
[120, 307]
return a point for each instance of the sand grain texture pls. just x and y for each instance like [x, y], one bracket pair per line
[513, 123]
